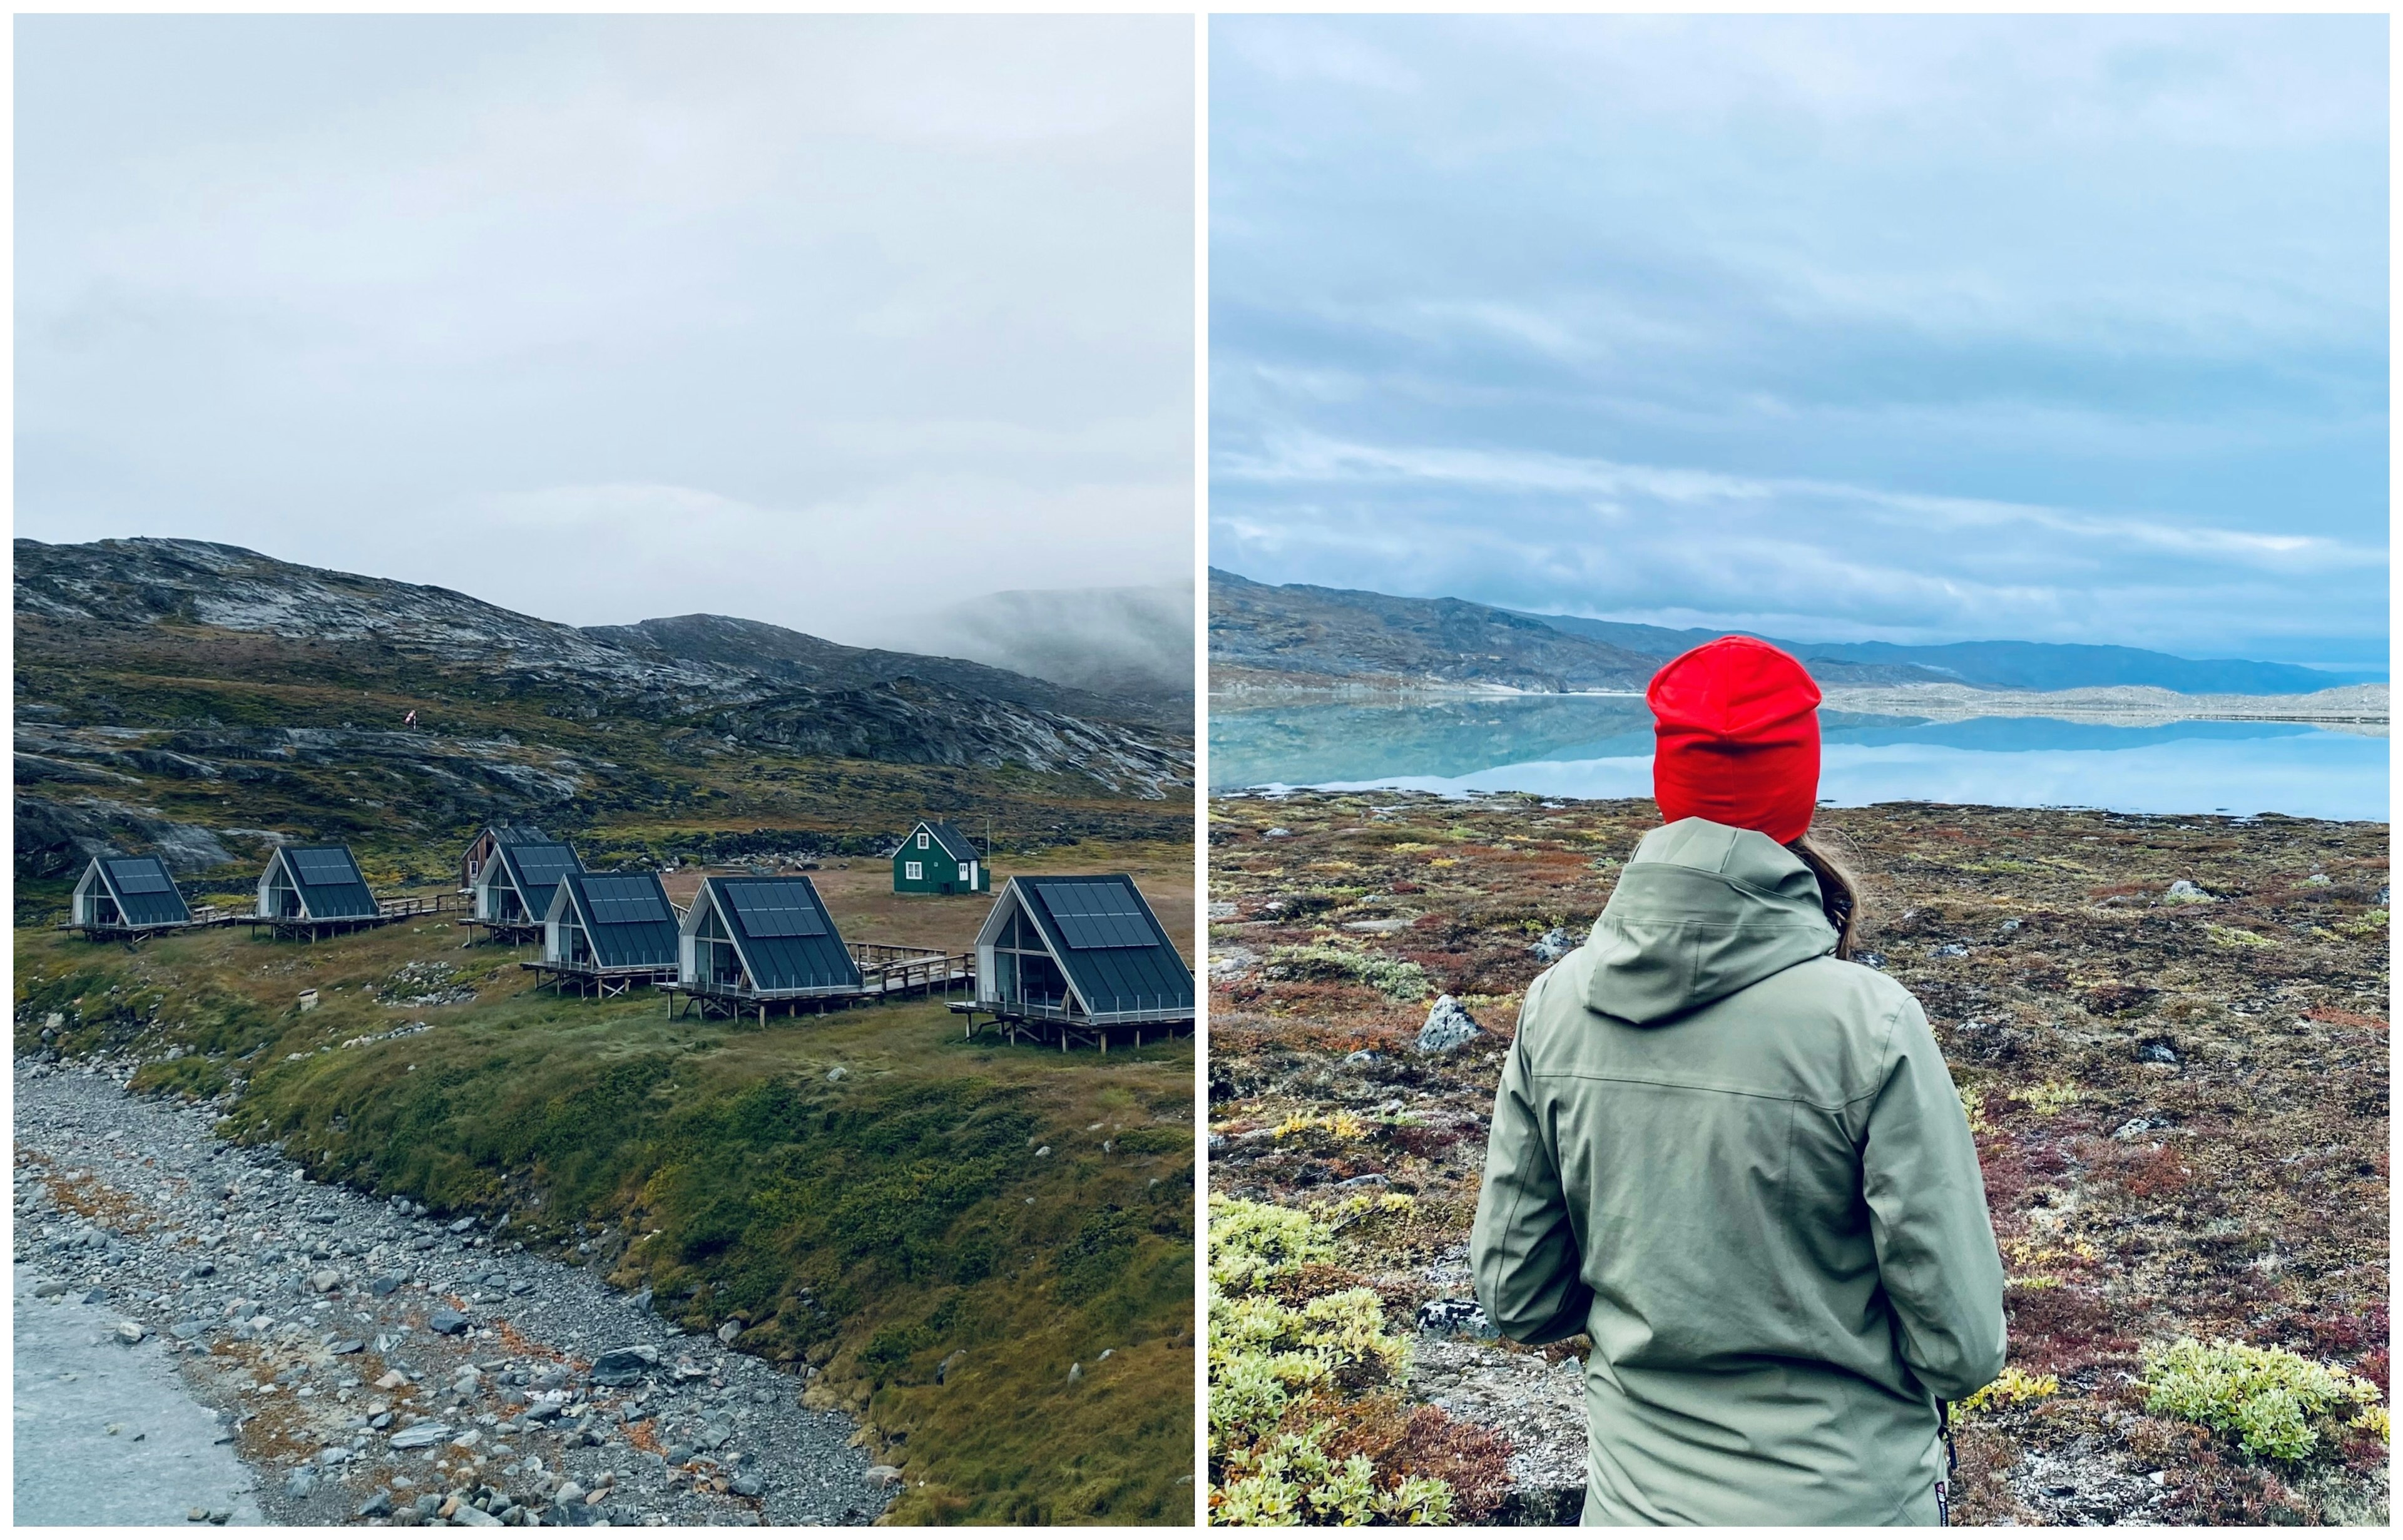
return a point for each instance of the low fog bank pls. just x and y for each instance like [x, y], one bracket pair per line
[1120, 641]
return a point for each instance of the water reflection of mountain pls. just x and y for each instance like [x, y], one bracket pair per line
[1305, 745]
[1316, 743]
[2019, 734]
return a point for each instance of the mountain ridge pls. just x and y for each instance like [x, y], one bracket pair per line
[1325, 639]
[191, 697]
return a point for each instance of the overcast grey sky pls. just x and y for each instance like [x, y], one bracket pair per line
[2062, 328]
[811, 320]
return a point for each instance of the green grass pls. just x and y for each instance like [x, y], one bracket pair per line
[873, 1225]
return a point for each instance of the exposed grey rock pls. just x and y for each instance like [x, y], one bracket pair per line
[1448, 1026]
[421, 1436]
[449, 1323]
[624, 1365]
[1555, 944]
[2184, 892]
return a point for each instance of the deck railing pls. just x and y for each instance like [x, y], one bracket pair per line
[1123, 1007]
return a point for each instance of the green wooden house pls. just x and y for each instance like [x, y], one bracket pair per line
[937, 859]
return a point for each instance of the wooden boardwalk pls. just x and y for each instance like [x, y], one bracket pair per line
[885, 973]
[387, 911]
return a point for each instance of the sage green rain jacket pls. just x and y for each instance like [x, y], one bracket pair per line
[1741, 1167]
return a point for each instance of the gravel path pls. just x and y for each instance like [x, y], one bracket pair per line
[369, 1363]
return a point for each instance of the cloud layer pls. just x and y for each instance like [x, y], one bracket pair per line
[619, 318]
[2064, 328]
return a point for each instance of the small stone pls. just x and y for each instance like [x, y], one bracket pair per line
[885, 1475]
[1361, 1056]
[836, 1073]
[391, 1380]
[196, 1516]
[347, 1345]
[461, 1227]
[470, 1514]
[131, 1332]
[623, 1365]
[375, 1507]
[449, 1323]
[943, 1370]
[190, 1330]
[745, 1485]
[1554, 945]
[389, 1284]
[2158, 1054]
[325, 1280]
[421, 1436]
[218, 1515]
[1448, 1026]
[2184, 892]
[50, 1288]
[1075, 1372]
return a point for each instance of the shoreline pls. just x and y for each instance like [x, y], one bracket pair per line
[2360, 708]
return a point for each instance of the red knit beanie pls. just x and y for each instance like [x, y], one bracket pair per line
[1738, 726]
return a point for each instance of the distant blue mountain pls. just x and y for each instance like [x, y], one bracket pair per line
[2001, 665]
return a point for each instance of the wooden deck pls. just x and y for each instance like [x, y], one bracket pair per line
[603, 983]
[885, 973]
[515, 932]
[387, 911]
[1017, 1023]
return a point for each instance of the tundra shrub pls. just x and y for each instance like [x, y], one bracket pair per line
[1389, 976]
[1277, 1368]
[2268, 1397]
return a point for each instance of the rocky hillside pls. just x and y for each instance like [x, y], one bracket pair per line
[201, 699]
[1294, 638]
[1268, 639]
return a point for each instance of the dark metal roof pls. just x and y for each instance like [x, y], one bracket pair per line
[144, 894]
[782, 928]
[519, 834]
[956, 844]
[330, 884]
[1107, 941]
[627, 915]
[535, 870]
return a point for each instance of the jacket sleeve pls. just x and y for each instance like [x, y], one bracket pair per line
[1522, 1249]
[1926, 1197]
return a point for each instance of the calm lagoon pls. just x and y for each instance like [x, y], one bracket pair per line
[1601, 746]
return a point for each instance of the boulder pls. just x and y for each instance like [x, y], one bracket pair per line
[1448, 1026]
[624, 1365]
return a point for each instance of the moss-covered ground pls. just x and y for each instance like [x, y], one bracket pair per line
[2180, 1106]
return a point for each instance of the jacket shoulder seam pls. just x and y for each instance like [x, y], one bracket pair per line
[1694, 1085]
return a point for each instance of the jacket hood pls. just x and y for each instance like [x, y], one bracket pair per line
[1701, 911]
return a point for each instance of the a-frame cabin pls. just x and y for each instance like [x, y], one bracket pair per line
[1079, 956]
[749, 943]
[480, 850]
[608, 930]
[512, 893]
[123, 896]
[314, 889]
